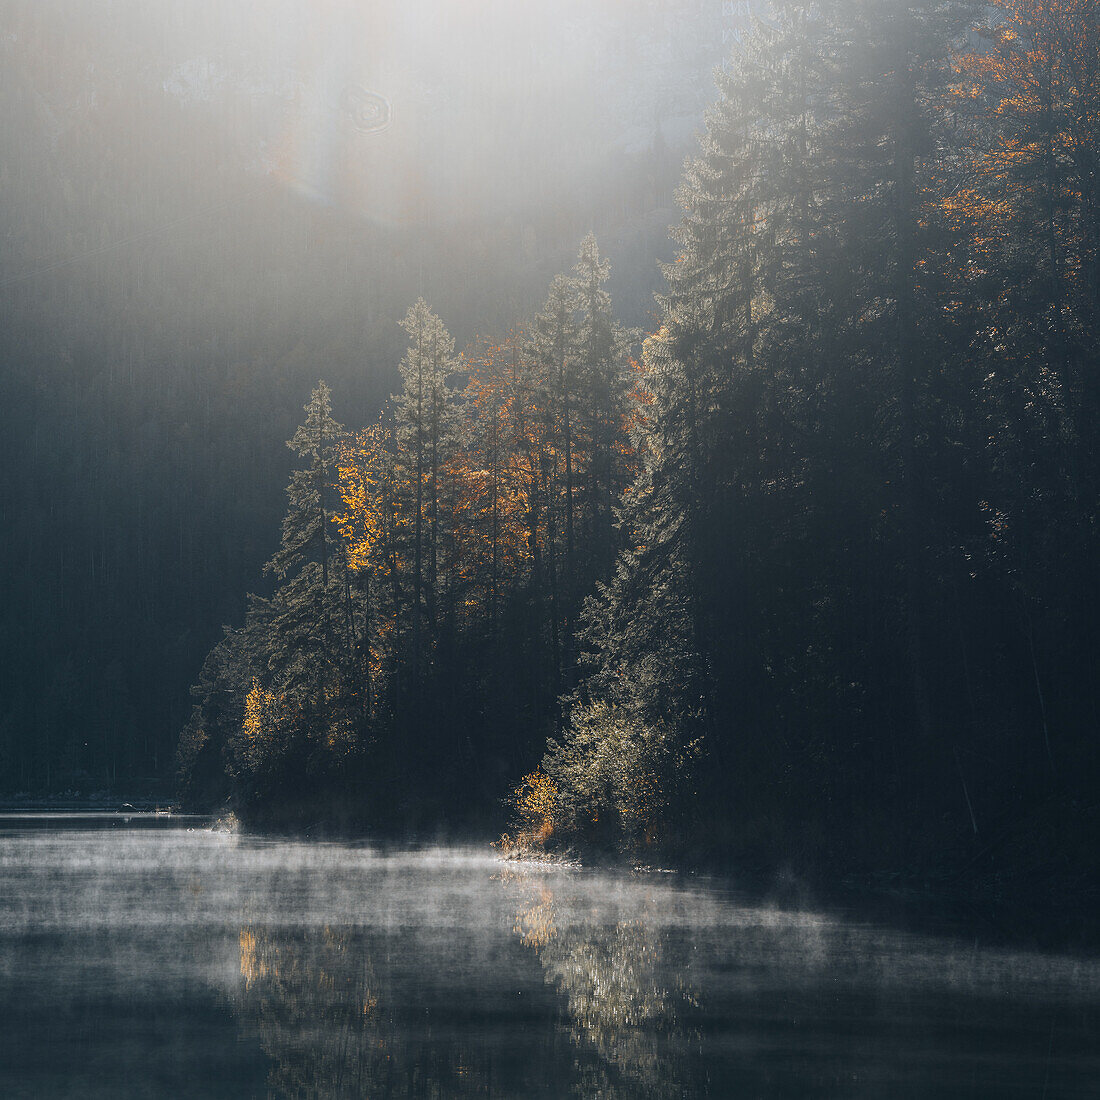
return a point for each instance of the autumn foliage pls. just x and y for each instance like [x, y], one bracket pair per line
[811, 568]
[436, 561]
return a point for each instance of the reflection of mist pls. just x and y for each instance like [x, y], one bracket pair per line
[342, 970]
[683, 991]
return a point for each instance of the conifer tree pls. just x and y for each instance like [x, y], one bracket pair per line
[794, 287]
[425, 435]
[602, 357]
[555, 346]
[308, 559]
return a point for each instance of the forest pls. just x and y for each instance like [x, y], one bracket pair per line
[803, 572]
[808, 572]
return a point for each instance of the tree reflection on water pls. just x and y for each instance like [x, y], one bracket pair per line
[312, 998]
[623, 982]
[351, 1011]
[546, 983]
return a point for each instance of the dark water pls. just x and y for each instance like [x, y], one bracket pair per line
[174, 962]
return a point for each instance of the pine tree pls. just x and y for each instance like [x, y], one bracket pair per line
[309, 558]
[625, 764]
[365, 482]
[555, 347]
[553, 339]
[795, 285]
[603, 377]
[303, 711]
[425, 435]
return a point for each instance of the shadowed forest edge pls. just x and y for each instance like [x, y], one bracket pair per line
[808, 574]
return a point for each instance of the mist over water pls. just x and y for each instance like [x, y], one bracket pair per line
[191, 962]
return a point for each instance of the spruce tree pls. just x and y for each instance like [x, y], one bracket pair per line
[601, 350]
[555, 348]
[425, 435]
[309, 557]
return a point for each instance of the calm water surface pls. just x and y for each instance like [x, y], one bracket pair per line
[142, 961]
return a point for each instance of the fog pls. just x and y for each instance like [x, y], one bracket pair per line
[205, 207]
[172, 879]
[138, 122]
[161, 960]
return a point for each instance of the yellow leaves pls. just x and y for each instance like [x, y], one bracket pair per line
[261, 716]
[536, 802]
[253, 967]
[360, 480]
[535, 924]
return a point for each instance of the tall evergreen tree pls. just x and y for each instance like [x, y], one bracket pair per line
[555, 347]
[425, 427]
[602, 367]
[309, 563]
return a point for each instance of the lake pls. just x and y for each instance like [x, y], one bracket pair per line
[147, 956]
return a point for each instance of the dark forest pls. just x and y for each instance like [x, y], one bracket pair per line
[793, 564]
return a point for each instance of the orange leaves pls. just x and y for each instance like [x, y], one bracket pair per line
[263, 715]
[1032, 86]
[253, 966]
[640, 398]
[513, 442]
[536, 800]
[360, 475]
[537, 806]
[973, 209]
[478, 501]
